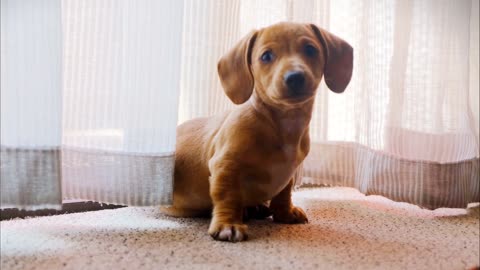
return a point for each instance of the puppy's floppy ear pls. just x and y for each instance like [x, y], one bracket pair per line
[234, 70]
[338, 60]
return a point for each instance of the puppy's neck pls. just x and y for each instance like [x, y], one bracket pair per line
[291, 123]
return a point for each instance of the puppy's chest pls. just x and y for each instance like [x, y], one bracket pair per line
[273, 171]
[284, 163]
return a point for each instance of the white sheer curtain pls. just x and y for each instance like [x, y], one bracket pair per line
[407, 125]
[31, 103]
[89, 94]
[89, 98]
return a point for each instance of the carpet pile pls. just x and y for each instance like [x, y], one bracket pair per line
[347, 230]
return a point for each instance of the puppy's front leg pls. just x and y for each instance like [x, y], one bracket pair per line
[283, 209]
[226, 224]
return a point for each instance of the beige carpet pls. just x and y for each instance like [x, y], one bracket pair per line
[346, 231]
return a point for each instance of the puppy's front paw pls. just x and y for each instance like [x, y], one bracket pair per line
[228, 232]
[291, 216]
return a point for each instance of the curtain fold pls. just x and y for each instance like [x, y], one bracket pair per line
[405, 128]
[408, 132]
[31, 104]
[120, 99]
[89, 101]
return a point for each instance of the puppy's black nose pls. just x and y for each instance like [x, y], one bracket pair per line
[294, 79]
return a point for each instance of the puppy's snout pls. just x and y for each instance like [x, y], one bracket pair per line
[294, 80]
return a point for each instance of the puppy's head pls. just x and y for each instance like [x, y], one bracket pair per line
[285, 63]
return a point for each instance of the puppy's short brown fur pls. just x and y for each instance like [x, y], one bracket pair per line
[249, 155]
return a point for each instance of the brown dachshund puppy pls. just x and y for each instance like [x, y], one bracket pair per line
[249, 155]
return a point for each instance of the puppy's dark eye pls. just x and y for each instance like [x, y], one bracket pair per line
[267, 57]
[310, 51]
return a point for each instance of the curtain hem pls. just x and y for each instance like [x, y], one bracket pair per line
[427, 184]
[117, 178]
[30, 178]
[57, 207]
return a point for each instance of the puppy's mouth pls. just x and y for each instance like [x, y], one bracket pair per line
[299, 98]
[299, 93]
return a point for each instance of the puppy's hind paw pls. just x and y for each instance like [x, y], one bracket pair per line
[291, 216]
[228, 232]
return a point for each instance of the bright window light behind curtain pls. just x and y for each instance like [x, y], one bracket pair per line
[407, 125]
[89, 98]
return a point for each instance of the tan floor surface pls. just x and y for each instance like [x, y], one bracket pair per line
[347, 230]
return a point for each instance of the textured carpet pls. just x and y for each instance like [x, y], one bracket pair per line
[347, 230]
